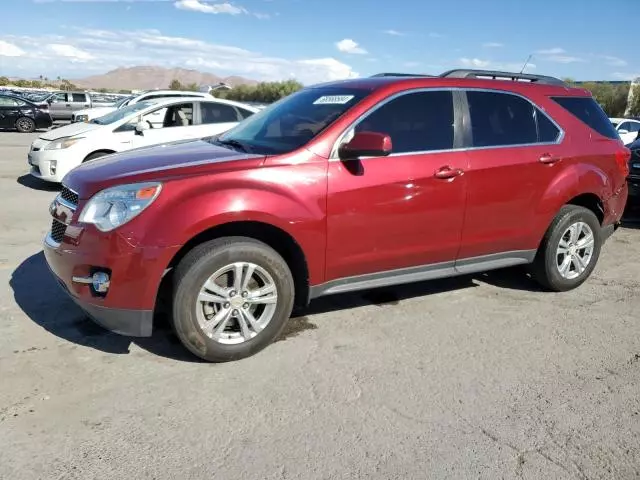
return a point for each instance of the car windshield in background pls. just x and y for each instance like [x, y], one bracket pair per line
[123, 102]
[293, 121]
[121, 114]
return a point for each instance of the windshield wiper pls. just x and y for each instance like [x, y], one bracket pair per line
[234, 143]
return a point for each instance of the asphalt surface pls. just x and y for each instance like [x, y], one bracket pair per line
[476, 377]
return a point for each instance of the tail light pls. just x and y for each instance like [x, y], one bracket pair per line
[622, 159]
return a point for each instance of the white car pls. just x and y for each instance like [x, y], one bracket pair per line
[88, 114]
[627, 128]
[59, 151]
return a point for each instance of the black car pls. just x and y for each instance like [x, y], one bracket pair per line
[23, 115]
[634, 169]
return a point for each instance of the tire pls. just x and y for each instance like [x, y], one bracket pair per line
[25, 125]
[549, 260]
[195, 321]
[95, 155]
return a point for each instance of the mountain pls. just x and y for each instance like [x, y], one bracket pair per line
[152, 77]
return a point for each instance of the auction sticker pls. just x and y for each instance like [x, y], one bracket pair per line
[333, 100]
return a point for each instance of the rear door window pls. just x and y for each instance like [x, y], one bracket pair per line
[78, 98]
[587, 110]
[501, 119]
[212, 112]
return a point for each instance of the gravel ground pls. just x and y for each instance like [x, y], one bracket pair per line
[475, 377]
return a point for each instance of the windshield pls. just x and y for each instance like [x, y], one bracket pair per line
[123, 102]
[292, 121]
[121, 113]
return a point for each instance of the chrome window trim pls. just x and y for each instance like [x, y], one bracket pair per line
[334, 150]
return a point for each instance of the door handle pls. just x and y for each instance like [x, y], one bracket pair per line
[548, 159]
[448, 172]
[68, 105]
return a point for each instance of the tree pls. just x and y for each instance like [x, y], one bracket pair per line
[611, 97]
[175, 85]
[193, 87]
[634, 104]
[4, 81]
[265, 92]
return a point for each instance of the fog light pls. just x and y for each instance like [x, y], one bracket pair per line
[52, 166]
[100, 282]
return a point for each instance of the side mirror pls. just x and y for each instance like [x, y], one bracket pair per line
[141, 127]
[622, 131]
[366, 144]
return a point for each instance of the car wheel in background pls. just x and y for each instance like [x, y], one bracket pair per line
[95, 155]
[25, 125]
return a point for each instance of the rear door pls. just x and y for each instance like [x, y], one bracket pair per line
[8, 112]
[514, 153]
[218, 117]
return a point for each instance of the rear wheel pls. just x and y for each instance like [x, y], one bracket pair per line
[25, 125]
[570, 249]
[232, 298]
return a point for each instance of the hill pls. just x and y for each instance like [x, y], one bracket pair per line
[152, 77]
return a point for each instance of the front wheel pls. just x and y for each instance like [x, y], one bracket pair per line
[570, 249]
[232, 298]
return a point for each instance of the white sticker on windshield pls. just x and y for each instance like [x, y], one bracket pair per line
[333, 100]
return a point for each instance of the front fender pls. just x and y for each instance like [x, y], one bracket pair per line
[294, 203]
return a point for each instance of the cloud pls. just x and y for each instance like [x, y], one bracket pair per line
[10, 50]
[411, 64]
[69, 51]
[626, 76]
[435, 35]
[492, 45]
[394, 33]
[349, 46]
[551, 51]
[87, 51]
[492, 65]
[564, 59]
[215, 8]
[614, 61]
[475, 62]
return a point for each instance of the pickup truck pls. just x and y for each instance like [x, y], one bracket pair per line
[64, 104]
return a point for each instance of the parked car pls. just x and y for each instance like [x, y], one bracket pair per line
[58, 151]
[63, 104]
[88, 114]
[341, 187]
[634, 170]
[22, 115]
[627, 128]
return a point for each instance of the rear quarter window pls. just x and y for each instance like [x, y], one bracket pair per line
[587, 110]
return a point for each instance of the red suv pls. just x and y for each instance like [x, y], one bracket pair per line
[343, 186]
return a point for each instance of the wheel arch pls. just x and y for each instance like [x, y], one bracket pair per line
[106, 151]
[281, 241]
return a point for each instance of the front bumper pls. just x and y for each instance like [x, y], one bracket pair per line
[135, 275]
[40, 162]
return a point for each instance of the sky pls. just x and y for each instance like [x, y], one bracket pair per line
[319, 40]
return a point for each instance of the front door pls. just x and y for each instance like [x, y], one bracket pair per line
[514, 155]
[61, 107]
[406, 209]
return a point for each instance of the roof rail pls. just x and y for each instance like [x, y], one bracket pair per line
[496, 75]
[388, 74]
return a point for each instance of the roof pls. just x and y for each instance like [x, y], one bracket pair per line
[173, 100]
[460, 78]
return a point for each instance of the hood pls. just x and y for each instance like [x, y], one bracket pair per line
[70, 130]
[159, 162]
[95, 111]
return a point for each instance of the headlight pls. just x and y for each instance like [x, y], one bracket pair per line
[116, 206]
[62, 143]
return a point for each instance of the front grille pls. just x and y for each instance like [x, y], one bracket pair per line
[57, 230]
[69, 195]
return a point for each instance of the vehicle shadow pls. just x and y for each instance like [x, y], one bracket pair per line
[54, 311]
[36, 184]
[631, 217]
